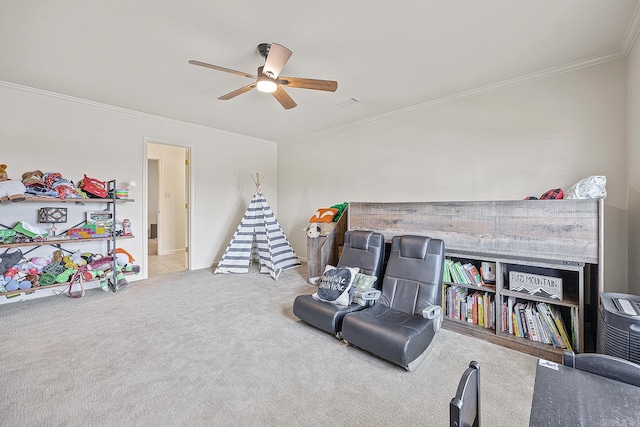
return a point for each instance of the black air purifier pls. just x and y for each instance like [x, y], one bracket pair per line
[619, 326]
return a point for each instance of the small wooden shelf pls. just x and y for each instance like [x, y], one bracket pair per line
[565, 303]
[470, 325]
[545, 351]
[485, 288]
[10, 294]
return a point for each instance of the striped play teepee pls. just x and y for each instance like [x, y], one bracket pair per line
[259, 232]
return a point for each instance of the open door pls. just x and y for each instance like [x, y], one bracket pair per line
[168, 212]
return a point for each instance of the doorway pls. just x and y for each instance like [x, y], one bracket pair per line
[168, 216]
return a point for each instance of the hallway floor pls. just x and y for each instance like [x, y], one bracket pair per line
[163, 264]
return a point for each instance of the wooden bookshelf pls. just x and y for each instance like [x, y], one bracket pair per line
[562, 237]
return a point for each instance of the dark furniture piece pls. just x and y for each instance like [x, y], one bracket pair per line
[464, 409]
[605, 366]
[401, 326]
[564, 396]
[509, 233]
[363, 249]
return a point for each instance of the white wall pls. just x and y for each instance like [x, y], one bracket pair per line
[56, 133]
[501, 145]
[633, 159]
[504, 144]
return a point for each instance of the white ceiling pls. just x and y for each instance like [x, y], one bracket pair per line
[389, 55]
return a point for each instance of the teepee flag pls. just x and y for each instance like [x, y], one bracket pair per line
[259, 231]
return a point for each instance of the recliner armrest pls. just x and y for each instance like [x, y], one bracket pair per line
[370, 295]
[434, 312]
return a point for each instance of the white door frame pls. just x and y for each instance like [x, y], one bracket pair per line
[188, 200]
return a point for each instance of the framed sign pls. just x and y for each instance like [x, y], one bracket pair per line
[536, 285]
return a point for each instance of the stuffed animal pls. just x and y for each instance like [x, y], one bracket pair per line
[38, 264]
[11, 190]
[315, 229]
[123, 257]
[312, 230]
[74, 260]
[56, 256]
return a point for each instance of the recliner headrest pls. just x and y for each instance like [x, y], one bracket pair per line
[414, 246]
[360, 239]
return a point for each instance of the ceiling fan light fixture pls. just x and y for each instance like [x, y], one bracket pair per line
[265, 84]
[268, 79]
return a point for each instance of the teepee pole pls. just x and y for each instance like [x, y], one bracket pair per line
[257, 181]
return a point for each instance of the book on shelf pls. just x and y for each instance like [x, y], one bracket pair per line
[536, 321]
[543, 331]
[511, 301]
[492, 310]
[454, 296]
[473, 274]
[522, 321]
[505, 317]
[546, 335]
[531, 325]
[469, 306]
[460, 274]
[448, 271]
[446, 276]
[557, 317]
[555, 335]
[454, 273]
[514, 321]
[450, 275]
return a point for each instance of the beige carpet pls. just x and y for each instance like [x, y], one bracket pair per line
[198, 349]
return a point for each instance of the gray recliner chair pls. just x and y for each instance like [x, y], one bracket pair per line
[401, 326]
[362, 249]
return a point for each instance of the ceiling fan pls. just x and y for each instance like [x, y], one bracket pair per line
[268, 78]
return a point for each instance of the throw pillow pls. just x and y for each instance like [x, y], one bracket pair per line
[324, 215]
[335, 284]
[554, 194]
[361, 283]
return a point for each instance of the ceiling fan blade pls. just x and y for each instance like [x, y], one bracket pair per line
[276, 59]
[226, 70]
[237, 92]
[284, 99]
[297, 82]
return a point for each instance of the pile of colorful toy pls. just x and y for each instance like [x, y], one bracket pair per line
[88, 231]
[49, 184]
[18, 273]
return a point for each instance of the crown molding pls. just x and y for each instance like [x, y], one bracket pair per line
[125, 111]
[631, 35]
[528, 78]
